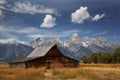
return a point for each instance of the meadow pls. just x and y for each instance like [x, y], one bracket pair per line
[83, 72]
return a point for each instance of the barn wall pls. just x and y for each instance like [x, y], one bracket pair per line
[17, 65]
[39, 62]
[52, 62]
[68, 62]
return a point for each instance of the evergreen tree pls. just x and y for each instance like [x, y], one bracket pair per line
[116, 55]
[84, 58]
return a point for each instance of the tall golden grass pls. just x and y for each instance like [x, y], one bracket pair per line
[84, 72]
[7, 73]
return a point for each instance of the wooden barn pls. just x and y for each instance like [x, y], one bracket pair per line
[48, 57]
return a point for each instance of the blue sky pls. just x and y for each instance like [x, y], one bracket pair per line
[25, 20]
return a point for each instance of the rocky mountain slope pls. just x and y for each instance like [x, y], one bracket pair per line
[12, 51]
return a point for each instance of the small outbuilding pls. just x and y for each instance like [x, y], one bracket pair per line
[48, 57]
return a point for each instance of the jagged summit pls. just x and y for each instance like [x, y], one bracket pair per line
[39, 42]
[74, 36]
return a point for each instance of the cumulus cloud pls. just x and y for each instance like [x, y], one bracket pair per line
[98, 17]
[27, 7]
[48, 22]
[80, 15]
[2, 1]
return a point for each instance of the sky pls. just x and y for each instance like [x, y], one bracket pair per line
[26, 20]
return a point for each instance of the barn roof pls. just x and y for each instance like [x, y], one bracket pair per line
[23, 60]
[39, 52]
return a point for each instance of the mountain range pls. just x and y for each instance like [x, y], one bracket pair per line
[74, 47]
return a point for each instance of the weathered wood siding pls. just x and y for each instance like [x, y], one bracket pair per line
[17, 65]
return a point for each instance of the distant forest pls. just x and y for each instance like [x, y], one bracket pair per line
[103, 57]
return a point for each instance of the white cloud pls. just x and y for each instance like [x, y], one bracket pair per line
[27, 30]
[35, 36]
[48, 22]
[98, 17]
[2, 1]
[80, 15]
[27, 7]
[53, 33]
[11, 41]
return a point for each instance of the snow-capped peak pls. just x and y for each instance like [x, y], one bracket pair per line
[102, 42]
[84, 44]
[86, 41]
[74, 36]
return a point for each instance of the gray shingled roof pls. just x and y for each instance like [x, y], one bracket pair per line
[39, 52]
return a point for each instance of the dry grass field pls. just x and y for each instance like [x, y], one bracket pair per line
[84, 72]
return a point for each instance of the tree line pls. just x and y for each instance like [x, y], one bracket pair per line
[103, 57]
